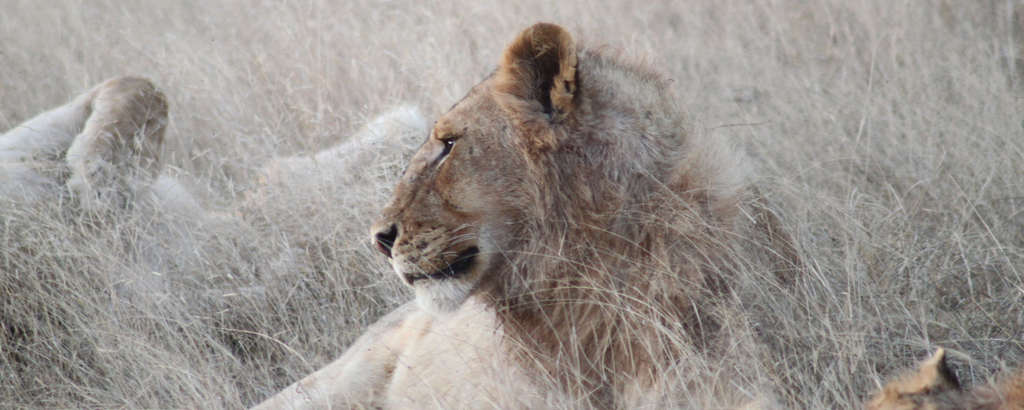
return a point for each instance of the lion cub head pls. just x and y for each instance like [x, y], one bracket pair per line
[568, 169]
[456, 208]
[933, 387]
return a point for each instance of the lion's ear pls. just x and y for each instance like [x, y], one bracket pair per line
[539, 66]
[935, 375]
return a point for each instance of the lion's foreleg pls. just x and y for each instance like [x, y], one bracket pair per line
[117, 152]
[47, 135]
[361, 376]
[31, 152]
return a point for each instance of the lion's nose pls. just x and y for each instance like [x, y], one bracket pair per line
[385, 239]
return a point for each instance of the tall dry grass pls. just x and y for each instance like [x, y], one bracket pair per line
[889, 133]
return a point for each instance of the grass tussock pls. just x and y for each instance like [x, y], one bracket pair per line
[888, 134]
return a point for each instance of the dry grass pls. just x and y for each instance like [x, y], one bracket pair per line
[889, 133]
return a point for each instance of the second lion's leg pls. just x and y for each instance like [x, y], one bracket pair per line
[117, 152]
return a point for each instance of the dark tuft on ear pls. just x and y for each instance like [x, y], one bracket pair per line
[940, 376]
[539, 67]
[947, 374]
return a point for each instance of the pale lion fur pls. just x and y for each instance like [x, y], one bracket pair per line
[99, 155]
[103, 145]
[397, 131]
[102, 149]
[571, 238]
[338, 173]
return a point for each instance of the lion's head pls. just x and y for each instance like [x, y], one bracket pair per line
[933, 386]
[561, 160]
[571, 193]
[460, 203]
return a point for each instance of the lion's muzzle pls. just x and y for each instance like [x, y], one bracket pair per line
[385, 240]
[454, 269]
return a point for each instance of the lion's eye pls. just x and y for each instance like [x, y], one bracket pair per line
[448, 144]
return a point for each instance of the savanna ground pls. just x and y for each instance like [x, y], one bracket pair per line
[888, 133]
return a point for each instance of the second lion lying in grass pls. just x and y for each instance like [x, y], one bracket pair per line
[104, 146]
[99, 156]
[572, 241]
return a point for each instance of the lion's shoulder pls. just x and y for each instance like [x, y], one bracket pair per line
[412, 359]
[464, 357]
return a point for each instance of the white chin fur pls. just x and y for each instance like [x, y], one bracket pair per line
[441, 297]
[437, 297]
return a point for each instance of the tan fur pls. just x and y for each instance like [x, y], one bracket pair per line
[933, 386]
[388, 138]
[117, 153]
[103, 145]
[47, 136]
[566, 226]
[412, 360]
[588, 202]
[100, 154]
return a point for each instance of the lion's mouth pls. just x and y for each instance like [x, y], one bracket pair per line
[458, 267]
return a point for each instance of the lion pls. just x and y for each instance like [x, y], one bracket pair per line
[103, 146]
[391, 132]
[570, 238]
[934, 386]
[98, 158]
[102, 151]
[383, 142]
